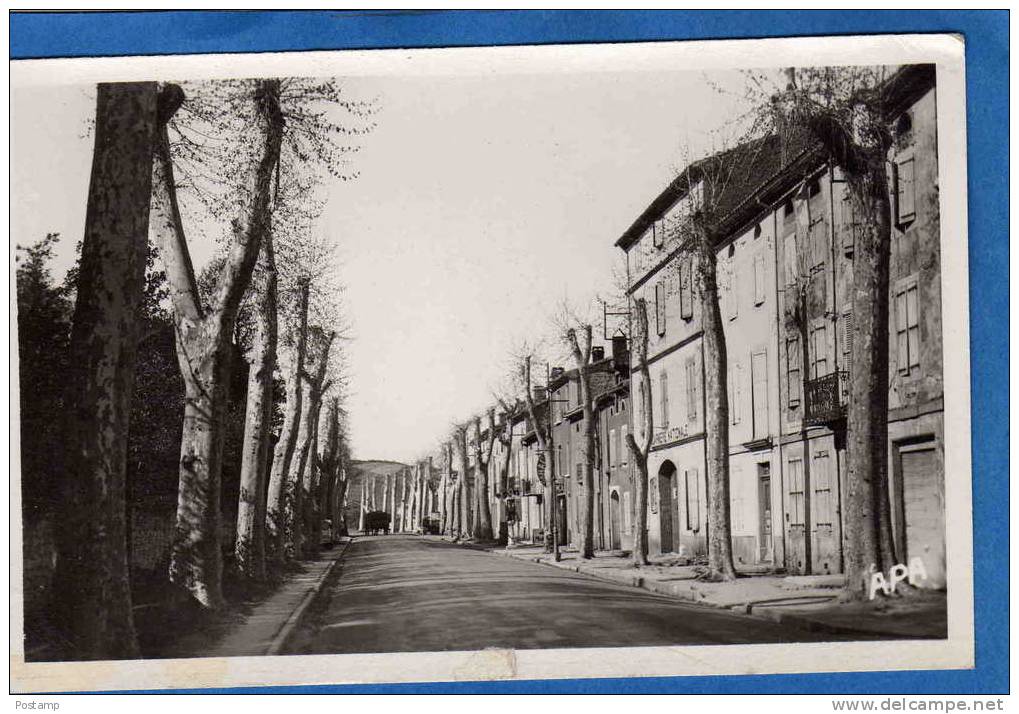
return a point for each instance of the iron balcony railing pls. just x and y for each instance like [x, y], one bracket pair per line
[827, 397]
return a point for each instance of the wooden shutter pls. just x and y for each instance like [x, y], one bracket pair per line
[913, 327]
[664, 381]
[693, 501]
[759, 280]
[660, 307]
[759, 392]
[685, 291]
[847, 341]
[905, 192]
[790, 264]
[793, 359]
[901, 330]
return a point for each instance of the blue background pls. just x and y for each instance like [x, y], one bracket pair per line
[986, 34]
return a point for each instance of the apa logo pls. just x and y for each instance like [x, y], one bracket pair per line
[914, 574]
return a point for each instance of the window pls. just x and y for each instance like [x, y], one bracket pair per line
[736, 499]
[793, 358]
[627, 512]
[692, 388]
[905, 187]
[796, 504]
[759, 393]
[625, 448]
[612, 446]
[759, 280]
[818, 351]
[821, 478]
[685, 288]
[660, 307]
[664, 382]
[907, 327]
[757, 231]
[818, 241]
[848, 221]
[789, 253]
[693, 500]
[657, 235]
[787, 209]
[732, 292]
[735, 392]
[847, 341]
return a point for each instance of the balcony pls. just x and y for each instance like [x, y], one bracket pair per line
[827, 397]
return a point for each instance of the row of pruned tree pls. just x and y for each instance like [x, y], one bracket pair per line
[845, 112]
[242, 162]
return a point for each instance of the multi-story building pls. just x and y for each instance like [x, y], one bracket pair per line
[784, 254]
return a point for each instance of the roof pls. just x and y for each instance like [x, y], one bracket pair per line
[742, 171]
[766, 166]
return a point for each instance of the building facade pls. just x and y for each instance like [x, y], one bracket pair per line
[784, 272]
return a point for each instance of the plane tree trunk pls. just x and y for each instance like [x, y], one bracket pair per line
[716, 412]
[640, 451]
[249, 548]
[279, 521]
[204, 347]
[93, 592]
[581, 349]
[482, 457]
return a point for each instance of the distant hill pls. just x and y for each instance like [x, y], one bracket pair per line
[379, 467]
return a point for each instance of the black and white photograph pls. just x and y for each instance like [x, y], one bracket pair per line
[490, 363]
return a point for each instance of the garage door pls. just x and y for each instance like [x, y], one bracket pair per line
[924, 510]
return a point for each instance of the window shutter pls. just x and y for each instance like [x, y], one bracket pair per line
[905, 196]
[660, 307]
[847, 341]
[913, 320]
[731, 389]
[793, 359]
[789, 253]
[759, 286]
[733, 301]
[901, 329]
[695, 510]
[625, 448]
[848, 224]
[664, 385]
[685, 292]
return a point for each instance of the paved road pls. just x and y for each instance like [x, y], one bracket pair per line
[416, 594]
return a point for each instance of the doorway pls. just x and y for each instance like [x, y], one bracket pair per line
[922, 510]
[765, 552]
[615, 520]
[666, 478]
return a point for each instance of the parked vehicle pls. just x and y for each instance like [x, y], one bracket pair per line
[377, 523]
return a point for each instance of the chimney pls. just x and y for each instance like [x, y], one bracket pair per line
[597, 353]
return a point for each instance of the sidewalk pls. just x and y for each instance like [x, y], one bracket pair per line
[266, 629]
[808, 601]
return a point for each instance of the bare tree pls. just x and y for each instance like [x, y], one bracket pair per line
[482, 457]
[302, 472]
[580, 347]
[541, 423]
[249, 547]
[846, 110]
[204, 338]
[640, 451]
[93, 590]
[464, 520]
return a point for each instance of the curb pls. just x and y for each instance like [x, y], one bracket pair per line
[285, 632]
[747, 609]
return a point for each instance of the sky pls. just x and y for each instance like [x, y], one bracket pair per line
[482, 202]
